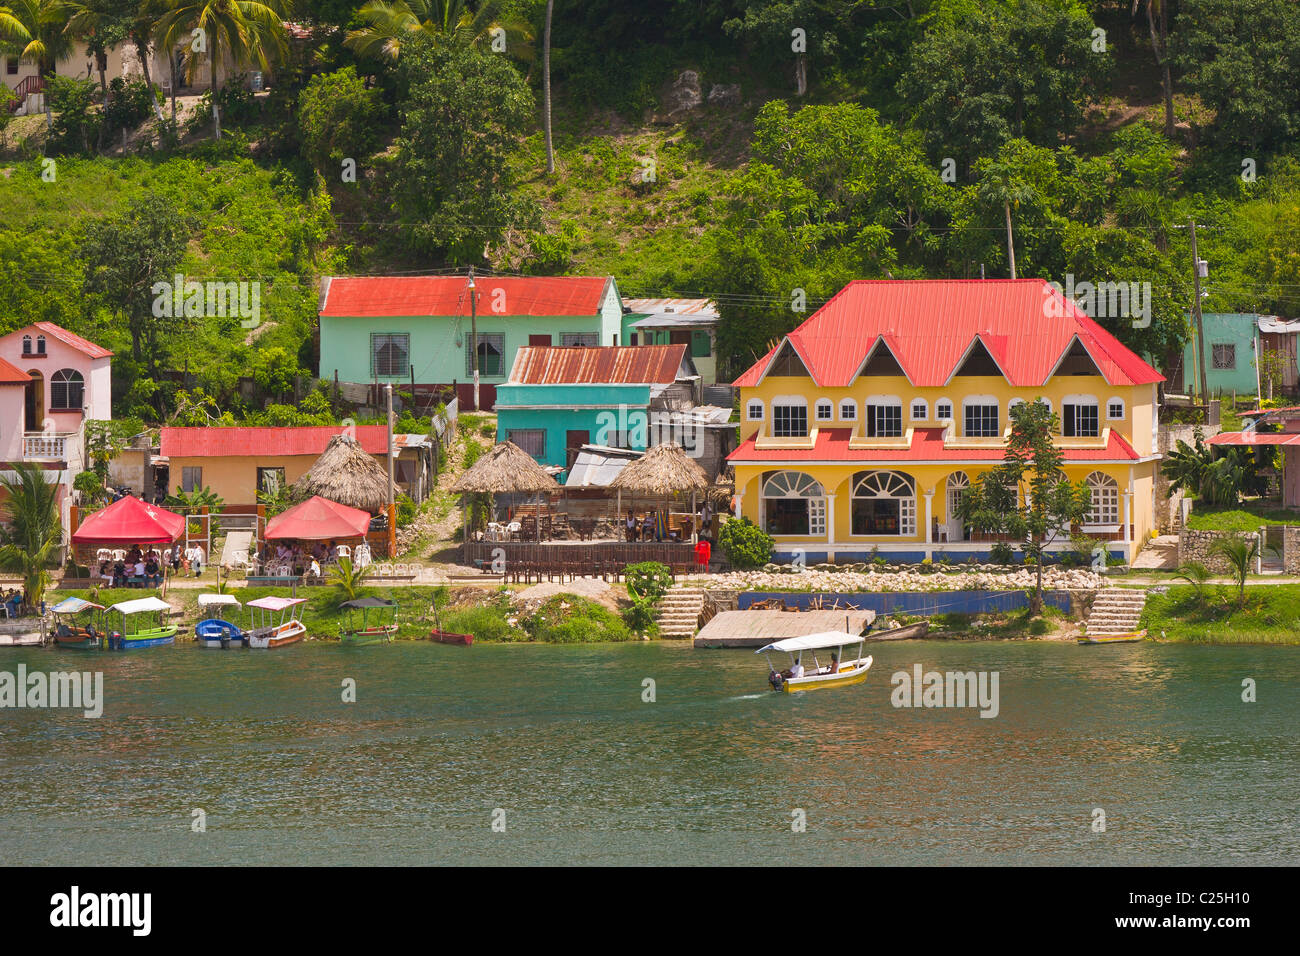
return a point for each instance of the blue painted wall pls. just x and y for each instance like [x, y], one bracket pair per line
[911, 602]
[558, 409]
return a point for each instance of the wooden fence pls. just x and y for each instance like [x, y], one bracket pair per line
[526, 561]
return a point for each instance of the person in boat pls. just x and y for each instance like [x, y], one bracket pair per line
[795, 670]
[834, 667]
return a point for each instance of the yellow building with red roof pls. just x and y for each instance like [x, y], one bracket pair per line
[863, 427]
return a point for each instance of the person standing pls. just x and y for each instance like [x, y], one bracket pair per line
[194, 554]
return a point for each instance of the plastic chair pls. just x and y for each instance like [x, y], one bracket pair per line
[361, 558]
[344, 551]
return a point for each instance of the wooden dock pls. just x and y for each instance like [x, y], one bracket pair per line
[757, 628]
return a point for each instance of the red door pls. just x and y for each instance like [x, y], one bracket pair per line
[543, 339]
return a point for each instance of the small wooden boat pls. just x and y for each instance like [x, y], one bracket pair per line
[140, 623]
[369, 620]
[217, 629]
[277, 622]
[908, 632]
[1132, 637]
[839, 672]
[451, 637]
[75, 632]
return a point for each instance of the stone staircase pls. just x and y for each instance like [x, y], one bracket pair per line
[679, 613]
[1116, 611]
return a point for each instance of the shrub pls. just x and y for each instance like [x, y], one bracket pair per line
[339, 119]
[569, 619]
[487, 623]
[1000, 553]
[648, 581]
[406, 510]
[745, 544]
[640, 617]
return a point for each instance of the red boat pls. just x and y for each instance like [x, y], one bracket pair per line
[451, 637]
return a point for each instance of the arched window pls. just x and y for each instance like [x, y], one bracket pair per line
[754, 410]
[884, 503]
[40, 345]
[27, 345]
[943, 410]
[848, 410]
[1115, 409]
[793, 504]
[1105, 499]
[824, 409]
[67, 390]
[920, 410]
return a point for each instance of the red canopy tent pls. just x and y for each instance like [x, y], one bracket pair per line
[319, 519]
[130, 521]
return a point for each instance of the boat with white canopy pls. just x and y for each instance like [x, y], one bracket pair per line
[139, 623]
[74, 624]
[217, 627]
[276, 621]
[838, 671]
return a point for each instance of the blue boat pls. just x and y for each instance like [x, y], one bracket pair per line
[216, 630]
[142, 623]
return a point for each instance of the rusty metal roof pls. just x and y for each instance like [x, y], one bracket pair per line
[597, 365]
[678, 306]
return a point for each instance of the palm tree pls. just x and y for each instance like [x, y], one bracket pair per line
[30, 534]
[37, 28]
[389, 22]
[1197, 575]
[348, 580]
[1239, 553]
[546, 87]
[1000, 185]
[1158, 24]
[247, 31]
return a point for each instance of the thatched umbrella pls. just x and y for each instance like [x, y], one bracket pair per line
[505, 469]
[345, 472]
[663, 471]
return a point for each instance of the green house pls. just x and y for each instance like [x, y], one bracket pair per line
[425, 331]
[1231, 339]
[689, 322]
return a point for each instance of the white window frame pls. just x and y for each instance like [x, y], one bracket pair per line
[1076, 401]
[1123, 409]
[925, 410]
[752, 405]
[881, 401]
[823, 405]
[1103, 515]
[791, 401]
[938, 403]
[852, 406]
[787, 488]
[879, 480]
[981, 401]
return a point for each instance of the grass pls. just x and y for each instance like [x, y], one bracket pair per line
[1012, 626]
[1247, 516]
[1271, 615]
[562, 619]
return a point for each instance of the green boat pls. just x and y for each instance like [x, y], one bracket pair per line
[368, 620]
[139, 623]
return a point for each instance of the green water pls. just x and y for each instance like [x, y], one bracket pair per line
[587, 772]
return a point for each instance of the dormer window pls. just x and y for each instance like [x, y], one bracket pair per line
[884, 416]
[789, 417]
[1079, 416]
[824, 409]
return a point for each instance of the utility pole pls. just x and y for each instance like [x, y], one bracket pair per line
[388, 395]
[1196, 312]
[473, 333]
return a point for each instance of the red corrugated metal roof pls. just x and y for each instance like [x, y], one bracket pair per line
[365, 296]
[832, 444]
[606, 365]
[930, 324]
[217, 442]
[73, 340]
[1254, 438]
[12, 375]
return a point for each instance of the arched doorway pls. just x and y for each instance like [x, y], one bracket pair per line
[793, 504]
[955, 489]
[34, 402]
[884, 503]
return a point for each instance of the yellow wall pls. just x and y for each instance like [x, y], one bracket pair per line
[235, 479]
[837, 479]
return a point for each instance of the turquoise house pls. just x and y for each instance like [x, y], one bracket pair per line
[689, 322]
[1231, 339]
[417, 330]
[559, 399]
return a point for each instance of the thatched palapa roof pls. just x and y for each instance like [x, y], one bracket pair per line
[506, 468]
[346, 473]
[663, 470]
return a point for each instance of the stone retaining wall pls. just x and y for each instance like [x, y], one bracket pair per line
[1196, 545]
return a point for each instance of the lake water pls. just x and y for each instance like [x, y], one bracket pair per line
[713, 771]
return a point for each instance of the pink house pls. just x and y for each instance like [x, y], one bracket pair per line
[51, 383]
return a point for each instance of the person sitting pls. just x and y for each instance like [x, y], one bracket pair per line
[119, 573]
[152, 572]
[135, 554]
[648, 527]
[106, 572]
[834, 666]
[795, 670]
[138, 579]
[314, 569]
[631, 525]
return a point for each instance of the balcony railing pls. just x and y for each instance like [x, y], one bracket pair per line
[43, 445]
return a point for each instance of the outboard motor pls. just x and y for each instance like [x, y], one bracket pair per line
[774, 678]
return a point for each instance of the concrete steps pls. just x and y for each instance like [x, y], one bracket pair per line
[679, 613]
[1116, 611]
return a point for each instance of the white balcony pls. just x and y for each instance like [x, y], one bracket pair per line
[46, 446]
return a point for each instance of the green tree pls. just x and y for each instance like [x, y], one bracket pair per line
[392, 24]
[30, 531]
[1239, 553]
[339, 119]
[244, 31]
[348, 580]
[124, 256]
[453, 186]
[37, 29]
[106, 440]
[1027, 496]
